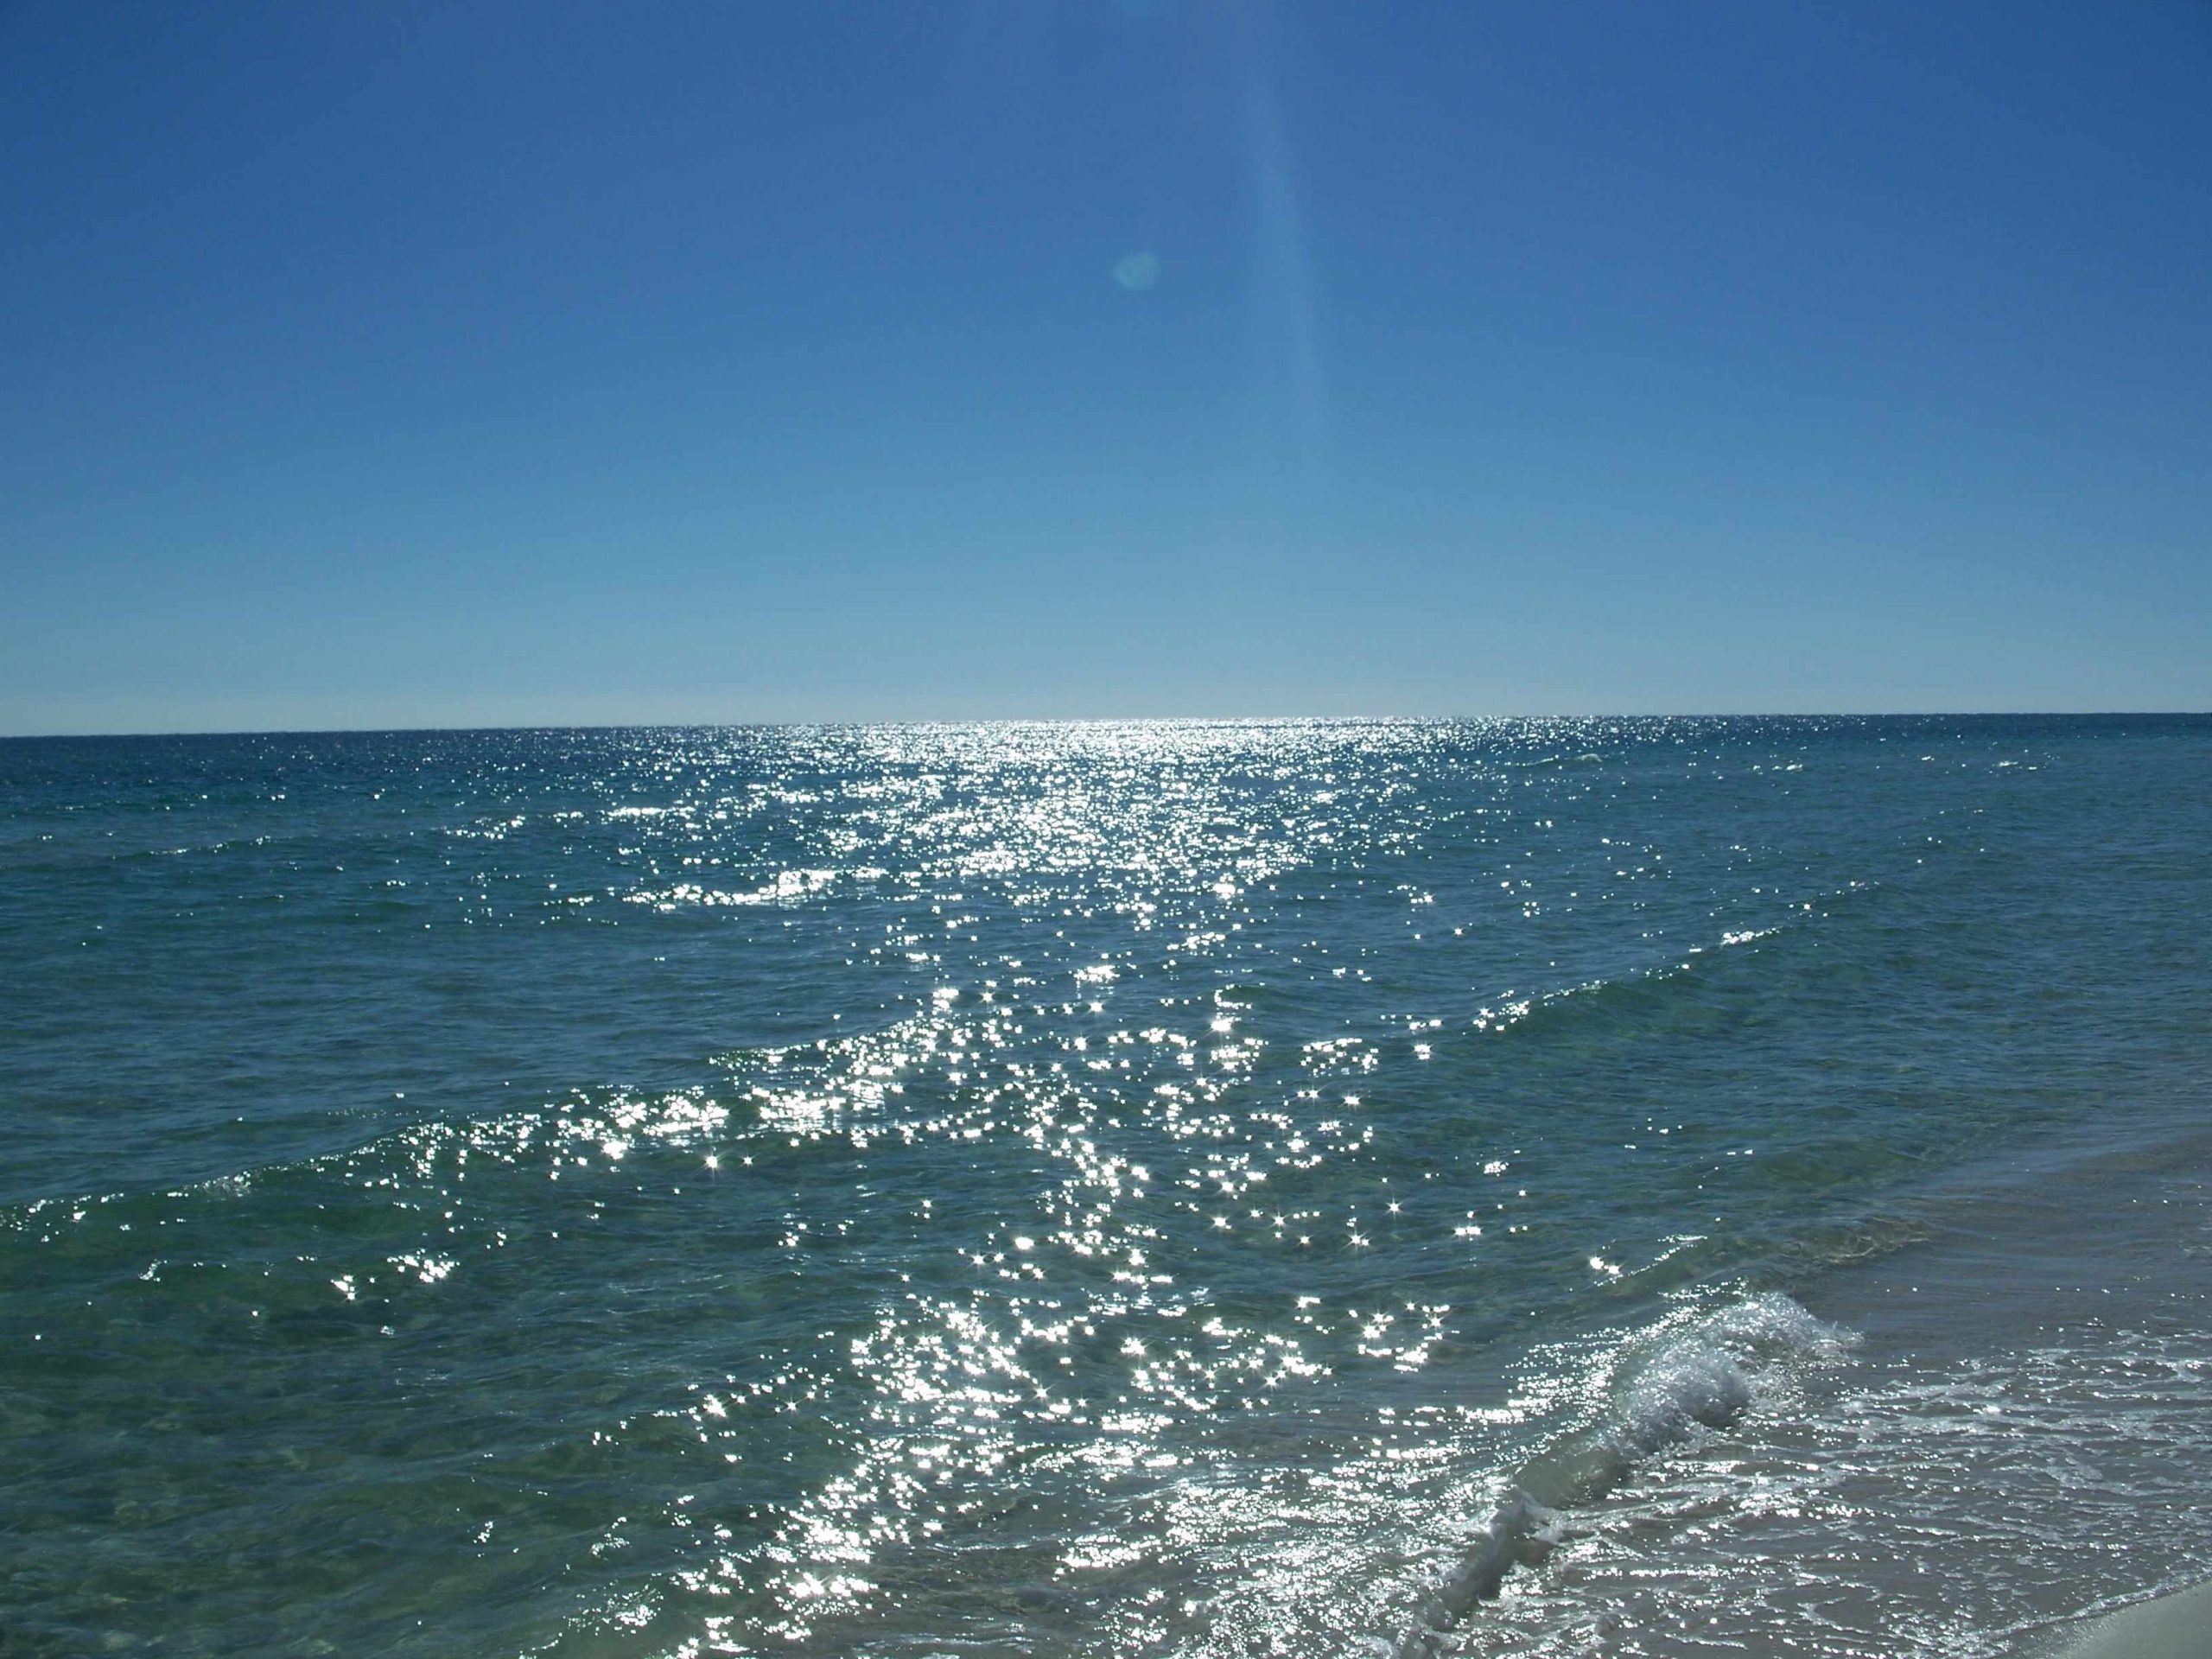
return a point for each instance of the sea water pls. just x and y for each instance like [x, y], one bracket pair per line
[1596, 1186]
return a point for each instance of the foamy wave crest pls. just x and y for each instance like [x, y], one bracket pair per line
[1704, 1375]
[1687, 1376]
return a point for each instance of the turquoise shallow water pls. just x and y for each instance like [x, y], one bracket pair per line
[1092, 1189]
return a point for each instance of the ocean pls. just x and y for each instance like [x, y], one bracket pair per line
[1609, 1186]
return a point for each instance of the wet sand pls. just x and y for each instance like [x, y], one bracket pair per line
[2177, 1626]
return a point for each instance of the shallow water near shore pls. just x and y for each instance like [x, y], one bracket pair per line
[2017, 1438]
[1305, 1189]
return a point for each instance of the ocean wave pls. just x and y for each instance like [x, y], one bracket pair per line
[1687, 1376]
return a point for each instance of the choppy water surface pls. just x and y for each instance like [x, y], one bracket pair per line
[1103, 1189]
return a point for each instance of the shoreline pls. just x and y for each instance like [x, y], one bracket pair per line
[2015, 1421]
[2176, 1624]
[2085, 1238]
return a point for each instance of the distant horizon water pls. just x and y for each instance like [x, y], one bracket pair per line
[829, 723]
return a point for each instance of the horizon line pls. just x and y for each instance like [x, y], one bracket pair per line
[1099, 719]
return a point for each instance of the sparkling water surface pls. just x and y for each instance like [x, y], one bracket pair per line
[1105, 1189]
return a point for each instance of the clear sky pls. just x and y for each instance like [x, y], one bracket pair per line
[383, 364]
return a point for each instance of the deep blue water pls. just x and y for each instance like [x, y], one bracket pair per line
[1117, 1189]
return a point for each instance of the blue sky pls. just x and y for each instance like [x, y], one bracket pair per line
[445, 364]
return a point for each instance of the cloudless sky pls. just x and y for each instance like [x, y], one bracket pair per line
[380, 364]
